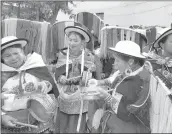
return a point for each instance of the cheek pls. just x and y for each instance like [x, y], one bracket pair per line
[118, 64]
[7, 61]
[121, 65]
[21, 57]
[78, 46]
[10, 59]
[168, 47]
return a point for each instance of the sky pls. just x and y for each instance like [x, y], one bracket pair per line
[127, 13]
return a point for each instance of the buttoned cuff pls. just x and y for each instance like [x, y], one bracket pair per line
[116, 98]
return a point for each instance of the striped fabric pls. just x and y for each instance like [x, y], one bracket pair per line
[151, 34]
[44, 38]
[110, 35]
[92, 22]
[58, 34]
[37, 33]
[161, 108]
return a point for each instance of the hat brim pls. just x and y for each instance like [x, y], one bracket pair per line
[128, 54]
[156, 43]
[23, 43]
[78, 30]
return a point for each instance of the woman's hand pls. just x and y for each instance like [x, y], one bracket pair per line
[63, 79]
[102, 92]
[92, 68]
[8, 121]
[74, 80]
[103, 75]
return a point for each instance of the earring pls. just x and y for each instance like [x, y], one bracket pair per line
[128, 72]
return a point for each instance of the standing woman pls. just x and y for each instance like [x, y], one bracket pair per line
[74, 69]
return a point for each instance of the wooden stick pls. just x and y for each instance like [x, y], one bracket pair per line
[82, 61]
[27, 125]
[80, 114]
[67, 62]
[86, 78]
[74, 77]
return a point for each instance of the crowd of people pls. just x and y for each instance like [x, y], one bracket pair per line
[79, 97]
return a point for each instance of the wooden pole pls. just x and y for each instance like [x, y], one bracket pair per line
[18, 10]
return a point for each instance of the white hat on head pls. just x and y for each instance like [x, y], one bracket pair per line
[79, 30]
[12, 40]
[128, 48]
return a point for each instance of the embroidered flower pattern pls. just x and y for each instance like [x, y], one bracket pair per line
[166, 63]
[29, 87]
[15, 90]
[167, 74]
[160, 60]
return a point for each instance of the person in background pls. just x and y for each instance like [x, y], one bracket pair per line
[161, 32]
[160, 57]
[163, 44]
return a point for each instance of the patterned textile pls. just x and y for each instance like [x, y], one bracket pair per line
[72, 106]
[162, 68]
[161, 107]
[37, 33]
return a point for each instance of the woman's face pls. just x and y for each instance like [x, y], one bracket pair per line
[167, 46]
[119, 64]
[13, 57]
[75, 42]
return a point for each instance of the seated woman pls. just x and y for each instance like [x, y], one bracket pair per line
[24, 79]
[74, 69]
[126, 110]
[161, 57]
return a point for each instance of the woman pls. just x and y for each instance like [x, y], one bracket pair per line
[23, 78]
[74, 69]
[126, 109]
[161, 57]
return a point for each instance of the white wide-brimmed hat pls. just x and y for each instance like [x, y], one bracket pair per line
[79, 30]
[128, 48]
[12, 40]
[166, 33]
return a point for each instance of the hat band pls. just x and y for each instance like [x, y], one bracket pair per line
[23, 42]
